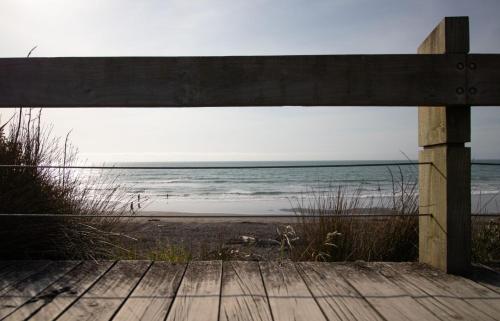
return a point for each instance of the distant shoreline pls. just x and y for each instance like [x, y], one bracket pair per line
[276, 190]
[486, 203]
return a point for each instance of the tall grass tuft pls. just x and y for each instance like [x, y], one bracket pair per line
[330, 230]
[24, 141]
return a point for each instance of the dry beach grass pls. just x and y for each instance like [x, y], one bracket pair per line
[24, 141]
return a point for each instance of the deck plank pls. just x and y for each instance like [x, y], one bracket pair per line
[105, 297]
[336, 297]
[8, 265]
[243, 293]
[61, 294]
[198, 296]
[16, 271]
[391, 301]
[289, 297]
[270, 291]
[435, 298]
[153, 296]
[487, 277]
[19, 293]
[481, 297]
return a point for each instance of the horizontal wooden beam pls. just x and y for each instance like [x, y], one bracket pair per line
[483, 79]
[324, 80]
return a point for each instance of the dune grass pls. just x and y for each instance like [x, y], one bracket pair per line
[329, 230]
[159, 251]
[24, 141]
[330, 227]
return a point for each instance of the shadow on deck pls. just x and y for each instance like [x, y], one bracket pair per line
[215, 290]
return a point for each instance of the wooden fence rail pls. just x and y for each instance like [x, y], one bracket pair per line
[328, 80]
[443, 75]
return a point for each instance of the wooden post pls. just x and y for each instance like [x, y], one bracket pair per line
[445, 236]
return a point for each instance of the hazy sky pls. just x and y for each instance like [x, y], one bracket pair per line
[244, 27]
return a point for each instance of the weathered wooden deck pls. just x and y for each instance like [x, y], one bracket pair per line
[214, 290]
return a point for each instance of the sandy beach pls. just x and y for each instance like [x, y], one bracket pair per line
[205, 236]
[208, 237]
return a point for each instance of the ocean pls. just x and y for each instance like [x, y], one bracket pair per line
[274, 191]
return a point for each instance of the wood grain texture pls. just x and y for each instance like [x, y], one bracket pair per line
[450, 36]
[477, 295]
[444, 192]
[243, 294]
[441, 125]
[446, 124]
[19, 293]
[48, 304]
[105, 297]
[137, 290]
[16, 271]
[8, 265]
[444, 186]
[323, 80]
[442, 302]
[390, 300]
[153, 296]
[198, 296]
[289, 297]
[483, 78]
[486, 277]
[338, 300]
